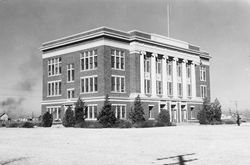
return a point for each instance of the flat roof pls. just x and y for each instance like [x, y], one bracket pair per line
[130, 36]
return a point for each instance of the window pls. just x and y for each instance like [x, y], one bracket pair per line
[192, 113]
[89, 60]
[54, 66]
[179, 85]
[118, 84]
[89, 84]
[54, 88]
[169, 68]
[188, 71]
[147, 65]
[91, 112]
[150, 109]
[203, 73]
[70, 93]
[170, 88]
[203, 91]
[158, 66]
[55, 111]
[189, 90]
[117, 59]
[179, 73]
[159, 87]
[120, 111]
[147, 86]
[70, 73]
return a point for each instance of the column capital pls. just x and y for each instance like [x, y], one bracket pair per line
[142, 52]
[175, 58]
[185, 61]
[154, 54]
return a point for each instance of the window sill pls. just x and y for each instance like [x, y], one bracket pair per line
[117, 92]
[118, 69]
[70, 81]
[88, 70]
[89, 119]
[88, 92]
[54, 75]
[151, 118]
[55, 96]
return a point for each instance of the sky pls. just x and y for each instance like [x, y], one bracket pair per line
[220, 27]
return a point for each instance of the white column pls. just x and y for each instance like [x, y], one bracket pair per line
[193, 80]
[164, 77]
[184, 79]
[142, 54]
[174, 78]
[153, 75]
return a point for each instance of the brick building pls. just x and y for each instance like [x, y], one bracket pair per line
[166, 73]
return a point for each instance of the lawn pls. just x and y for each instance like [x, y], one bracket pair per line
[201, 145]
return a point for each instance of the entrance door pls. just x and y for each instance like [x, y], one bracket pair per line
[183, 113]
[173, 113]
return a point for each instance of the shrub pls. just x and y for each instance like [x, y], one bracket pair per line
[89, 124]
[28, 125]
[137, 113]
[47, 120]
[123, 124]
[145, 124]
[163, 118]
[79, 111]
[210, 112]
[69, 118]
[107, 115]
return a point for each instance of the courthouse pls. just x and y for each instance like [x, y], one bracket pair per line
[166, 73]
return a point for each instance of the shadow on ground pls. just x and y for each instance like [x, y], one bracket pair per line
[178, 159]
[12, 160]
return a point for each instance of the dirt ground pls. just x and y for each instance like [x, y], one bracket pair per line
[188, 144]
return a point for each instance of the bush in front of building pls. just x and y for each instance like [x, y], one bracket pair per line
[27, 125]
[163, 118]
[210, 113]
[123, 124]
[145, 124]
[69, 118]
[137, 112]
[79, 111]
[89, 124]
[47, 120]
[107, 115]
[13, 124]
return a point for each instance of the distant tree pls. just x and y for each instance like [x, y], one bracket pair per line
[47, 119]
[137, 112]
[79, 111]
[69, 118]
[107, 115]
[164, 117]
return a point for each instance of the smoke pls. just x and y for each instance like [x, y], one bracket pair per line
[12, 107]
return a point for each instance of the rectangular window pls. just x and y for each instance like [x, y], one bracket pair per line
[89, 84]
[147, 86]
[54, 88]
[203, 91]
[91, 112]
[117, 59]
[54, 66]
[118, 84]
[55, 111]
[158, 66]
[188, 71]
[169, 68]
[179, 73]
[203, 73]
[70, 72]
[147, 65]
[189, 90]
[179, 85]
[150, 109]
[120, 111]
[70, 93]
[170, 88]
[159, 87]
[89, 60]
